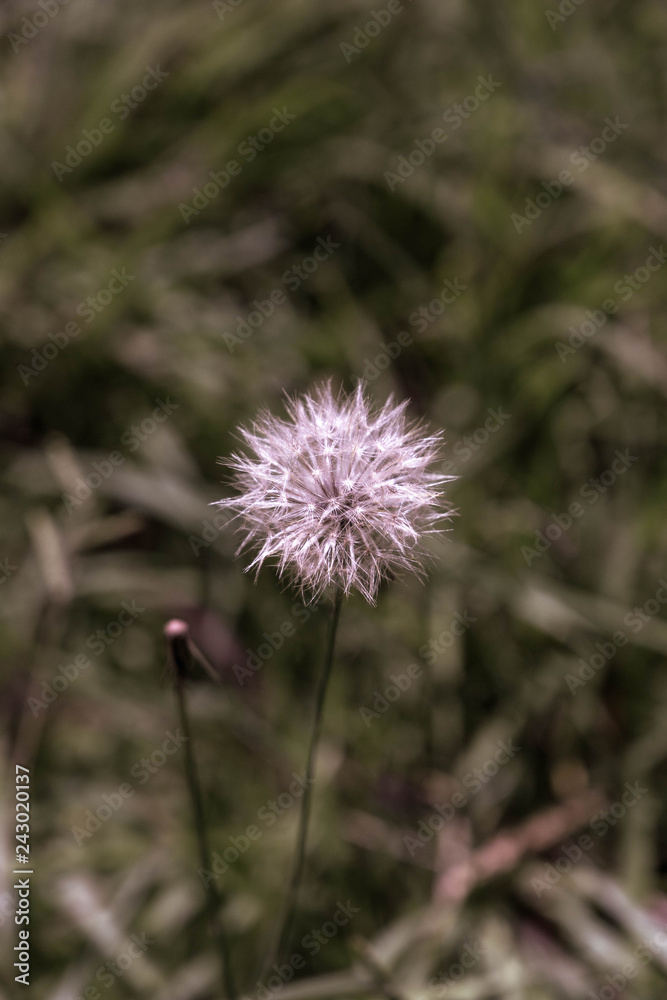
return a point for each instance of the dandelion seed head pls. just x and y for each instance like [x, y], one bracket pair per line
[339, 495]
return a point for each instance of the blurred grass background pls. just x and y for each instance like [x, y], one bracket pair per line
[171, 334]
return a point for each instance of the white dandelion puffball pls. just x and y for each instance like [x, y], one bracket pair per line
[338, 495]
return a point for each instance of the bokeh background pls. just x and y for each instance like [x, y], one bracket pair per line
[148, 308]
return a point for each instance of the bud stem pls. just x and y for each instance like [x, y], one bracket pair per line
[181, 661]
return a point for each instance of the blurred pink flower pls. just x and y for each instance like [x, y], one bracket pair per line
[339, 494]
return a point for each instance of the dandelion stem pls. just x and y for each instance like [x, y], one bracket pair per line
[180, 656]
[302, 835]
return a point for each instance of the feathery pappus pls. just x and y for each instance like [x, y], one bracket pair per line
[339, 494]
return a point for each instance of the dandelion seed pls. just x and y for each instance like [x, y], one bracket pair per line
[339, 495]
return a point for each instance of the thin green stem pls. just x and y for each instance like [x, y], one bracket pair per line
[181, 658]
[304, 817]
